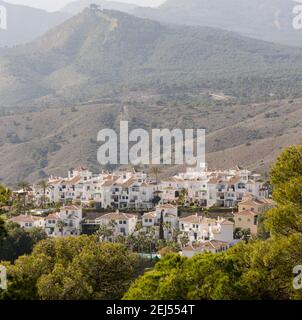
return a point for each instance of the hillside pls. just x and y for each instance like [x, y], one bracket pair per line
[26, 24]
[99, 53]
[36, 144]
[269, 20]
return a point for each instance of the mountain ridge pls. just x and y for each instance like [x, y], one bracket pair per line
[97, 52]
[270, 20]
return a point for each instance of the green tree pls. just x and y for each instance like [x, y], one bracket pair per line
[286, 176]
[61, 225]
[43, 184]
[287, 166]
[104, 233]
[182, 199]
[73, 268]
[258, 269]
[5, 196]
[24, 186]
[161, 226]
[19, 241]
[3, 232]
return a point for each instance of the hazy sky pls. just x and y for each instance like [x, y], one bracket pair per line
[52, 5]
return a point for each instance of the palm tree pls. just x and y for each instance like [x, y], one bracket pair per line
[24, 185]
[184, 240]
[175, 234]
[141, 241]
[43, 184]
[61, 226]
[183, 196]
[104, 232]
[149, 239]
[155, 171]
[131, 241]
[112, 225]
[138, 226]
[167, 226]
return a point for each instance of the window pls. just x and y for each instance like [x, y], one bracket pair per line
[125, 222]
[146, 220]
[120, 222]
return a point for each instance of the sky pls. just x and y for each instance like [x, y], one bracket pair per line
[53, 5]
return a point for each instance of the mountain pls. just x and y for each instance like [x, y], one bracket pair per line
[39, 143]
[26, 23]
[269, 20]
[78, 6]
[100, 53]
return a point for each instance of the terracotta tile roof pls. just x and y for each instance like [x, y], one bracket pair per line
[71, 207]
[197, 220]
[167, 206]
[109, 182]
[256, 202]
[117, 216]
[150, 215]
[129, 182]
[234, 180]
[24, 218]
[245, 213]
[226, 222]
[52, 216]
[212, 244]
[74, 180]
[214, 180]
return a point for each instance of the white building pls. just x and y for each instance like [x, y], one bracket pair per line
[27, 221]
[170, 220]
[66, 222]
[200, 229]
[124, 223]
[131, 189]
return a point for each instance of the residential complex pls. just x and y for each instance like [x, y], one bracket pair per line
[153, 206]
[136, 190]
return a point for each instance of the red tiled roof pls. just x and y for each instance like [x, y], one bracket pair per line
[245, 213]
[117, 216]
[212, 244]
[23, 218]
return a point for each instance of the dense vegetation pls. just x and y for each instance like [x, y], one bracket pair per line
[73, 268]
[18, 241]
[261, 269]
